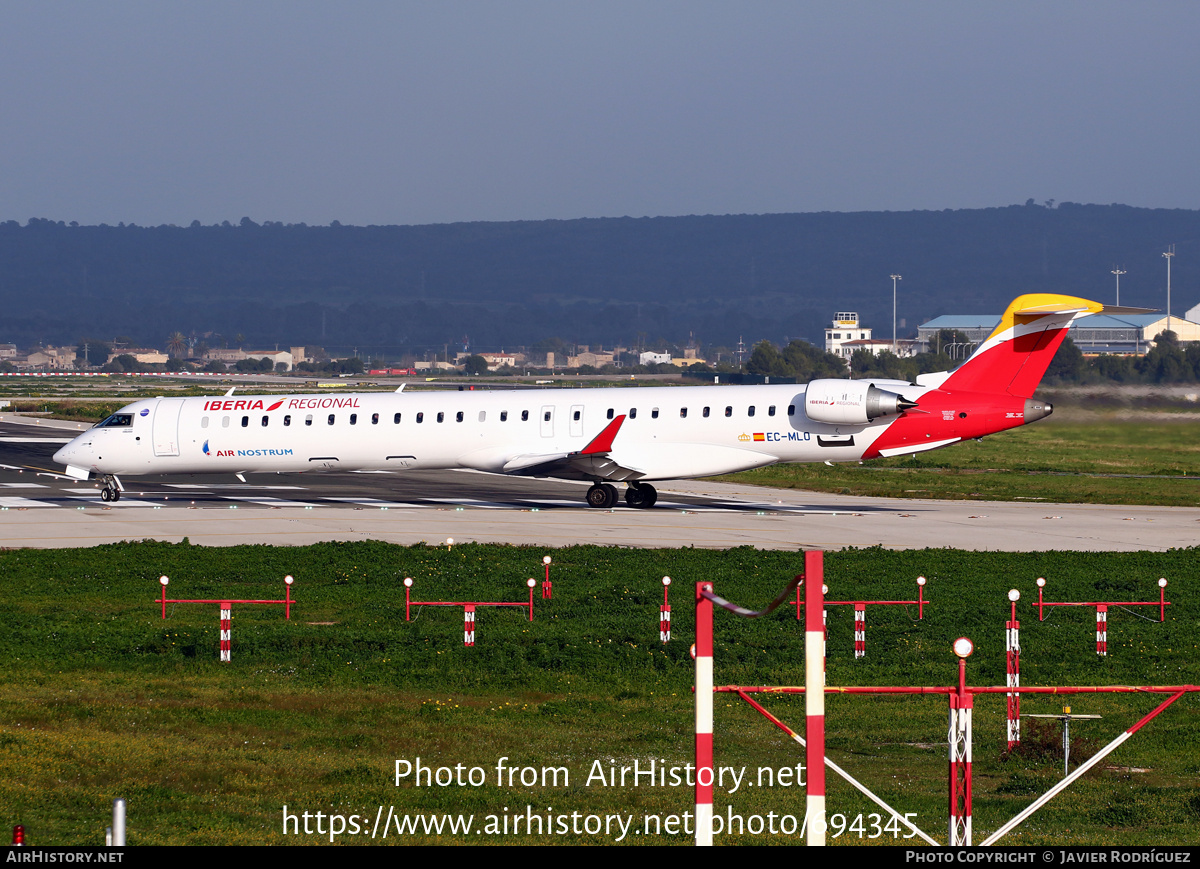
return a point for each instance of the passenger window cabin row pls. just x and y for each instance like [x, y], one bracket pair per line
[705, 412]
[331, 419]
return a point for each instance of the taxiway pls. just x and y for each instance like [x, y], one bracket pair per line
[40, 507]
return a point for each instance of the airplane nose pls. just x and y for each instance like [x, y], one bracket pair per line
[63, 456]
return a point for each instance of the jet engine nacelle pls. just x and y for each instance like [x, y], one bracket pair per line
[851, 402]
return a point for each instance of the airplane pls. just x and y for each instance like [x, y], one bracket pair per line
[605, 435]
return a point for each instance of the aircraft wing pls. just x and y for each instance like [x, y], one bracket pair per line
[591, 462]
[572, 466]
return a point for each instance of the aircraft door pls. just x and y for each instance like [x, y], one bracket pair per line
[548, 421]
[166, 426]
[577, 420]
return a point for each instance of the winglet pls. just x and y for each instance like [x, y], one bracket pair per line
[602, 443]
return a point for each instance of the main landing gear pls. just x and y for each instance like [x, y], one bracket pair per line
[111, 488]
[604, 495]
[640, 495]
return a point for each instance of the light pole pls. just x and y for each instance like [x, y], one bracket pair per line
[1118, 273]
[894, 279]
[1168, 255]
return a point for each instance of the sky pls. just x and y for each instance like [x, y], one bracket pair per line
[436, 112]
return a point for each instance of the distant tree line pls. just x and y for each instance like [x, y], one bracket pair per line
[805, 361]
[1166, 362]
[719, 278]
[798, 359]
[354, 365]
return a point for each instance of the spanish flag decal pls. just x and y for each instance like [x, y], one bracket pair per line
[759, 436]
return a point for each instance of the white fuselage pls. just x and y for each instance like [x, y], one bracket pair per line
[668, 433]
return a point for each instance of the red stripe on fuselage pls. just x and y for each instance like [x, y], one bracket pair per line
[947, 415]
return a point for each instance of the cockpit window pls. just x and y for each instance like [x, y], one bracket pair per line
[117, 420]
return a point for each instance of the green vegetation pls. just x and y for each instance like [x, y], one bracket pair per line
[395, 290]
[1102, 462]
[798, 359]
[100, 698]
[1167, 362]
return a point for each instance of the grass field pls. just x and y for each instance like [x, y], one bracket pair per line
[100, 698]
[1109, 461]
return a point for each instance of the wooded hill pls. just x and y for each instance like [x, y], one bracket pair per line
[390, 289]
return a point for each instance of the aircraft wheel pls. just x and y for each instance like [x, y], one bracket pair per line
[105, 495]
[598, 496]
[641, 495]
[116, 495]
[612, 495]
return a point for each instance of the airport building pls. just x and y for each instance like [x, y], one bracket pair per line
[1123, 334]
[847, 334]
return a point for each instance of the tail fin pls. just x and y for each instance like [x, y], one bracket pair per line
[1016, 355]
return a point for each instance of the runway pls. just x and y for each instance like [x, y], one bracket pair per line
[40, 507]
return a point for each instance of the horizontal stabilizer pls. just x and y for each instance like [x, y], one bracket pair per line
[1041, 310]
[1125, 309]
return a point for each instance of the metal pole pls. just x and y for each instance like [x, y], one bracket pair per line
[664, 613]
[1067, 744]
[226, 631]
[1168, 255]
[1013, 644]
[814, 695]
[118, 823]
[959, 738]
[894, 279]
[704, 714]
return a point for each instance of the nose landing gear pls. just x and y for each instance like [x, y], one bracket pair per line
[110, 489]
